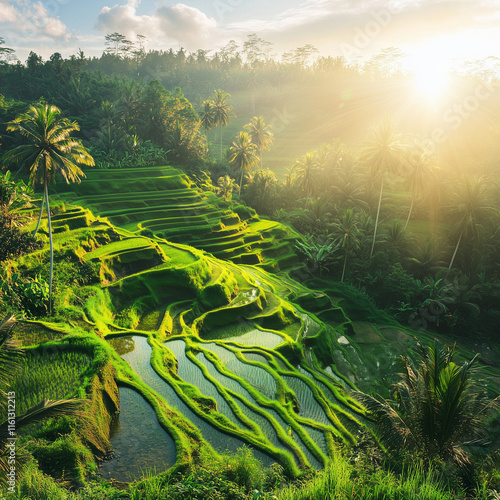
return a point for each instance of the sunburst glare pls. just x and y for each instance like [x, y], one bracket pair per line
[431, 75]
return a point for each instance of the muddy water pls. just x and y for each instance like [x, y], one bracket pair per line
[139, 442]
[136, 350]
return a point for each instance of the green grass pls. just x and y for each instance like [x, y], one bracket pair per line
[116, 247]
[340, 481]
[55, 374]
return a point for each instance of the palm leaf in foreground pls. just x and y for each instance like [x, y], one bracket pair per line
[10, 357]
[437, 410]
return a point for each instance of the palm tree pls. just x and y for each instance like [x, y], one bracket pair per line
[348, 186]
[221, 112]
[10, 357]
[306, 168]
[383, 155]
[396, 237]
[461, 297]
[437, 408]
[127, 105]
[319, 254]
[420, 171]
[243, 155]
[260, 134]
[427, 259]
[348, 238]
[49, 150]
[471, 210]
[207, 116]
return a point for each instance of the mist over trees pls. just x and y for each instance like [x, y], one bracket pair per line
[402, 208]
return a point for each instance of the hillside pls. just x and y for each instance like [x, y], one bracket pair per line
[208, 354]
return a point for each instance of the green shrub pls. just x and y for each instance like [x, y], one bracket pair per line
[64, 458]
[14, 242]
[37, 486]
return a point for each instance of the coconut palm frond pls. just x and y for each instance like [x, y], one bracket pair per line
[43, 410]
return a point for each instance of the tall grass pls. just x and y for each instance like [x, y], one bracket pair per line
[341, 481]
[48, 376]
[239, 476]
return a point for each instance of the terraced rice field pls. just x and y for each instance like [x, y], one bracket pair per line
[175, 210]
[218, 349]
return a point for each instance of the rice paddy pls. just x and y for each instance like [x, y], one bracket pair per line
[139, 360]
[132, 442]
[48, 375]
[257, 338]
[218, 348]
[174, 210]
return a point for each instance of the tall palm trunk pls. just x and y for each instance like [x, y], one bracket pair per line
[411, 208]
[343, 270]
[455, 252]
[39, 218]
[261, 158]
[376, 220]
[221, 141]
[51, 245]
[241, 182]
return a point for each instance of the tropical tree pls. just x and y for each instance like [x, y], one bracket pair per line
[471, 210]
[6, 53]
[462, 300]
[243, 156]
[382, 154]
[261, 134]
[396, 237]
[347, 228]
[126, 107]
[226, 187]
[348, 185]
[420, 171]
[15, 196]
[262, 191]
[319, 254]
[207, 116]
[289, 187]
[306, 169]
[427, 259]
[49, 150]
[313, 216]
[117, 44]
[10, 358]
[437, 410]
[221, 111]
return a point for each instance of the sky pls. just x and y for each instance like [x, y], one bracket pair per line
[444, 30]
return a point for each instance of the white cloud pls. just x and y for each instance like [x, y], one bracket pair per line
[178, 23]
[30, 19]
[7, 13]
[123, 19]
[185, 24]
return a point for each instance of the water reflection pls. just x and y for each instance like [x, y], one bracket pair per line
[139, 442]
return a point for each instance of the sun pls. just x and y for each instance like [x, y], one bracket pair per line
[431, 75]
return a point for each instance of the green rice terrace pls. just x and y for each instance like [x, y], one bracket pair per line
[164, 202]
[202, 348]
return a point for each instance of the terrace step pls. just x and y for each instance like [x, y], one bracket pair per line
[165, 201]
